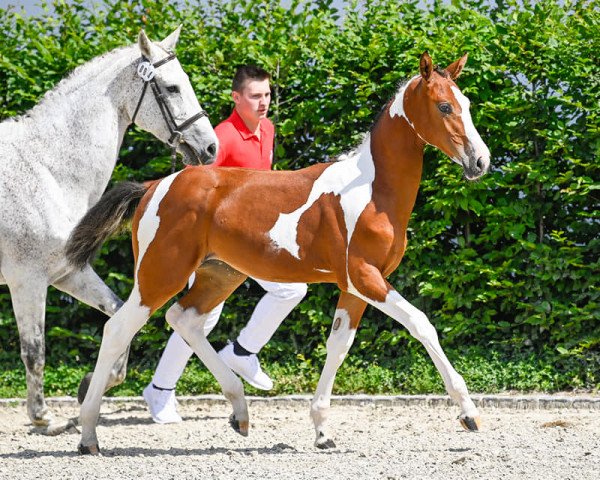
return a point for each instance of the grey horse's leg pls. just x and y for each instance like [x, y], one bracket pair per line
[85, 285]
[28, 295]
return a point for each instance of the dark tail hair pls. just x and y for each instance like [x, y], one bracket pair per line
[116, 206]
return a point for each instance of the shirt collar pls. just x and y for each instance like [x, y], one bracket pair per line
[241, 127]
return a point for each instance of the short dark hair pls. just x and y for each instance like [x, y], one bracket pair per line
[248, 72]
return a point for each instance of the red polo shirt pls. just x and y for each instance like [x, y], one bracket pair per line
[239, 147]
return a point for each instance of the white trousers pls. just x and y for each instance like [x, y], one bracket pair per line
[270, 311]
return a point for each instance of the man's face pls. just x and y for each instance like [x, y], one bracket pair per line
[252, 103]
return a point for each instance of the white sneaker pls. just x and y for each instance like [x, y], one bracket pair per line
[247, 367]
[162, 404]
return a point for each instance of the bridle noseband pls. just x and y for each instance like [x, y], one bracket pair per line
[146, 71]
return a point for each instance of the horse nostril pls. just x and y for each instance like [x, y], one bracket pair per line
[212, 149]
[480, 164]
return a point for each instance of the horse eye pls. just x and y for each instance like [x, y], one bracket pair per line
[445, 108]
[173, 89]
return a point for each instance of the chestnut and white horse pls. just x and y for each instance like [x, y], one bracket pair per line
[343, 222]
[55, 162]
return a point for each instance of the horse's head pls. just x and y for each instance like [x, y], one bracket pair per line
[167, 106]
[439, 114]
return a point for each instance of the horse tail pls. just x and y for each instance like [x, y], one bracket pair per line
[115, 207]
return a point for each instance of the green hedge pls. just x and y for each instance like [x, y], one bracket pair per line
[508, 265]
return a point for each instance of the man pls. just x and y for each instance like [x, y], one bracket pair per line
[245, 140]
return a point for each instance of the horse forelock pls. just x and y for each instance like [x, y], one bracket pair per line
[441, 71]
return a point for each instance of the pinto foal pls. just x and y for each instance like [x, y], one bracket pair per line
[342, 222]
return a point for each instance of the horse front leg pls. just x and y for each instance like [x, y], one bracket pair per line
[373, 288]
[86, 286]
[28, 297]
[346, 319]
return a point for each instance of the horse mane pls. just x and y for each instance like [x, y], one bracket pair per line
[366, 135]
[80, 71]
[72, 81]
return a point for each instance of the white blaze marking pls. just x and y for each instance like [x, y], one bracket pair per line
[350, 178]
[150, 220]
[480, 148]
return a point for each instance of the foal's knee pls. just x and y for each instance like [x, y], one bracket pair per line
[421, 328]
[341, 337]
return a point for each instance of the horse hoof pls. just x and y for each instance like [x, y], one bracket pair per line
[83, 387]
[470, 424]
[325, 445]
[89, 450]
[57, 428]
[240, 427]
[323, 442]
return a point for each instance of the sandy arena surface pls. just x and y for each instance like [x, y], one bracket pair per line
[374, 441]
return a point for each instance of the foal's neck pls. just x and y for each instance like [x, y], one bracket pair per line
[398, 158]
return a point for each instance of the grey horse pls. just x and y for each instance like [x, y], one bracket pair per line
[55, 162]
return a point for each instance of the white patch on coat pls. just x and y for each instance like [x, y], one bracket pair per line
[397, 106]
[150, 220]
[351, 178]
[342, 336]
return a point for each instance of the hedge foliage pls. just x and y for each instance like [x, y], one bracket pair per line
[508, 265]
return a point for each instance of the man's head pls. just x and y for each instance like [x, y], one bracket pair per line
[251, 93]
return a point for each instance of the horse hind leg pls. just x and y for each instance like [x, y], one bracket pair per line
[214, 282]
[346, 319]
[189, 324]
[118, 333]
[85, 285]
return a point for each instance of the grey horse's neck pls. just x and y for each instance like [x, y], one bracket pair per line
[75, 132]
[98, 77]
[89, 106]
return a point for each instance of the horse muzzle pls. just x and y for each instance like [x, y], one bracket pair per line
[197, 156]
[475, 160]
[476, 166]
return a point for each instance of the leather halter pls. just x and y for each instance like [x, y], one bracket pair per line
[146, 72]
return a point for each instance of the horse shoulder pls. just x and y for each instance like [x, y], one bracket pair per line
[377, 239]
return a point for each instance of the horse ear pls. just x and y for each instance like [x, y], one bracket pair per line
[170, 42]
[426, 66]
[145, 44]
[455, 68]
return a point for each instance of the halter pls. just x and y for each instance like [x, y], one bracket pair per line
[146, 72]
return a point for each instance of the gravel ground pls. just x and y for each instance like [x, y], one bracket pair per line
[375, 440]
